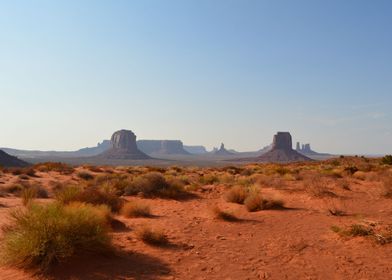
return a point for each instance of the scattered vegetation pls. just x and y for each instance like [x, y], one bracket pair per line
[45, 234]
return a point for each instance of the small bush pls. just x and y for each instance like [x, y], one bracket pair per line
[136, 209]
[67, 194]
[223, 215]
[236, 194]
[90, 195]
[151, 236]
[387, 160]
[85, 175]
[154, 185]
[44, 234]
[256, 202]
[359, 230]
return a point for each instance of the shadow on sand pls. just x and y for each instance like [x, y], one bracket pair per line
[122, 265]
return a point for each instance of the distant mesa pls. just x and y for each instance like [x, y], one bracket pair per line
[7, 160]
[196, 150]
[124, 147]
[222, 151]
[306, 150]
[281, 151]
[162, 147]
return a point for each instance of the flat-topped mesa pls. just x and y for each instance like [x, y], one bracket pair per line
[281, 151]
[162, 147]
[282, 140]
[124, 146]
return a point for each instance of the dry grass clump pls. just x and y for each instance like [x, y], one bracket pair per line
[152, 236]
[91, 195]
[256, 202]
[45, 234]
[155, 185]
[136, 209]
[224, 215]
[354, 230]
[237, 194]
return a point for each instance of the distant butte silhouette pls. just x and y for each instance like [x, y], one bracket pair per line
[7, 160]
[281, 151]
[124, 147]
[222, 151]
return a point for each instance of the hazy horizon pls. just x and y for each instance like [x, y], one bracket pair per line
[203, 72]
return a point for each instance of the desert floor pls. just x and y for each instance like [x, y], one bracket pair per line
[294, 242]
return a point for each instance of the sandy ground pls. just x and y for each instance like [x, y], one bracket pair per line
[295, 243]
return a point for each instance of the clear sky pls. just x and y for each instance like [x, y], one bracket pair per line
[203, 71]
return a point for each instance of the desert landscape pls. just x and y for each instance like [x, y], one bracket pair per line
[311, 220]
[195, 140]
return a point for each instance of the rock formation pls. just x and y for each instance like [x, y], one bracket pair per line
[124, 147]
[7, 160]
[222, 151]
[197, 150]
[305, 149]
[161, 147]
[281, 151]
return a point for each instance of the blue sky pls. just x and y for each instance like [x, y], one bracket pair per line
[205, 72]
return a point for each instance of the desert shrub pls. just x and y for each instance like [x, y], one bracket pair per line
[350, 170]
[209, 179]
[136, 209]
[387, 160]
[97, 196]
[60, 167]
[44, 234]
[67, 194]
[256, 202]
[236, 194]
[359, 230]
[117, 182]
[28, 195]
[151, 236]
[85, 175]
[223, 215]
[31, 192]
[154, 185]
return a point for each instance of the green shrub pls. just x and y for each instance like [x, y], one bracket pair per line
[44, 234]
[387, 160]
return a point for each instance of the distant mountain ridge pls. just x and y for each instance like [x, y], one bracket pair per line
[7, 160]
